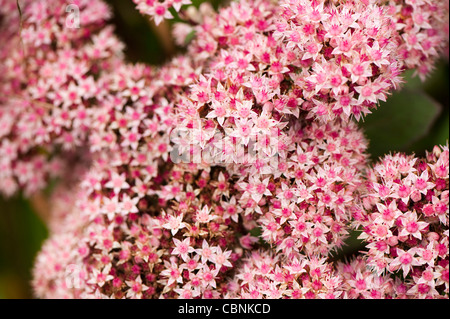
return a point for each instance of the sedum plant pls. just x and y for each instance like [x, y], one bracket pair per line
[235, 170]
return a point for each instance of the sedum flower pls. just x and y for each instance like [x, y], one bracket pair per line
[231, 171]
[406, 225]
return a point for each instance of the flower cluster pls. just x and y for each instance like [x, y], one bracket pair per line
[145, 254]
[306, 207]
[232, 171]
[262, 63]
[424, 30]
[159, 10]
[263, 275]
[406, 221]
[165, 236]
[359, 282]
[51, 87]
[144, 226]
[330, 60]
[265, 65]
[168, 240]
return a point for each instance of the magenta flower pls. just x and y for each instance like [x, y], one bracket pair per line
[234, 170]
[406, 225]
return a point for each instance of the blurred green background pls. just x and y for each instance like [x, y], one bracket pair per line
[415, 119]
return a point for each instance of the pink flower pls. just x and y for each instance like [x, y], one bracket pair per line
[182, 248]
[412, 226]
[206, 252]
[221, 258]
[158, 10]
[172, 272]
[117, 183]
[203, 215]
[136, 288]
[100, 278]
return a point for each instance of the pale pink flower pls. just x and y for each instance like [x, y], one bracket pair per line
[182, 248]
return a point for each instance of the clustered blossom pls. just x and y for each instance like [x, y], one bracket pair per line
[231, 171]
[145, 227]
[307, 205]
[111, 252]
[267, 276]
[262, 63]
[359, 282]
[406, 221]
[183, 221]
[329, 60]
[258, 75]
[51, 87]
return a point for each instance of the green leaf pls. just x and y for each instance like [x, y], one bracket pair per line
[406, 117]
[256, 232]
[352, 246]
[190, 37]
[412, 82]
[441, 134]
